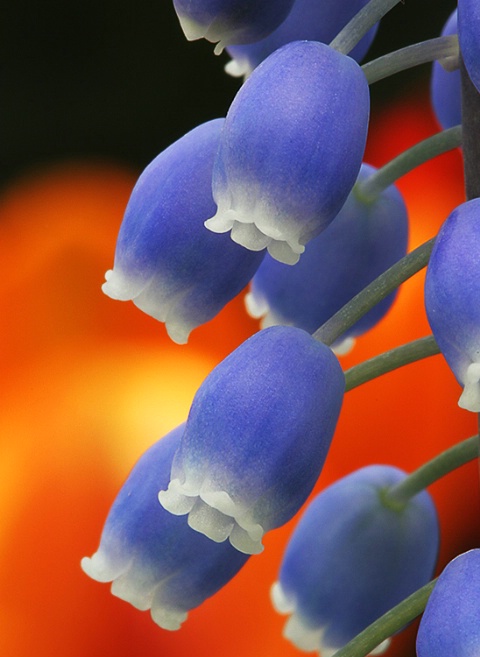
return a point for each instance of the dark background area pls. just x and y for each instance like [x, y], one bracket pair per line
[105, 79]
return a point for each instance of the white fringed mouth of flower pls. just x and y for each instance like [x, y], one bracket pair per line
[214, 514]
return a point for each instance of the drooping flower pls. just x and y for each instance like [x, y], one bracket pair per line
[452, 290]
[291, 149]
[153, 559]
[445, 87]
[469, 37]
[256, 437]
[352, 557]
[450, 624]
[309, 19]
[230, 21]
[165, 261]
[364, 239]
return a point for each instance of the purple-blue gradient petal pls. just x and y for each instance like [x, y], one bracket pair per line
[364, 239]
[166, 261]
[308, 20]
[452, 291]
[351, 557]
[469, 37]
[450, 625]
[153, 558]
[291, 149]
[445, 87]
[230, 21]
[257, 435]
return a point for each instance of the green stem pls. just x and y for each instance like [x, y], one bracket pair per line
[429, 472]
[441, 48]
[374, 293]
[390, 360]
[388, 624]
[425, 150]
[366, 18]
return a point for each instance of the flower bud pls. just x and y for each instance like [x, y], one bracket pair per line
[153, 559]
[365, 238]
[309, 20]
[256, 437]
[230, 21]
[452, 291]
[291, 149]
[450, 623]
[166, 261]
[352, 557]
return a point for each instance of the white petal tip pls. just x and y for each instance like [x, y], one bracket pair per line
[470, 397]
[343, 347]
[213, 514]
[237, 70]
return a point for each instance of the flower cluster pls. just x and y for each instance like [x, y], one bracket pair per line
[277, 194]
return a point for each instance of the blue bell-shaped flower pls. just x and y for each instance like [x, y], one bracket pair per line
[166, 261]
[469, 37]
[450, 624]
[365, 238]
[291, 149]
[309, 19]
[445, 86]
[230, 21]
[452, 291]
[256, 437]
[153, 559]
[352, 557]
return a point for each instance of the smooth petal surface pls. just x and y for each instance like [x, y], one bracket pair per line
[445, 87]
[450, 624]
[230, 21]
[153, 559]
[469, 37]
[256, 438]
[166, 261]
[291, 149]
[308, 20]
[351, 558]
[364, 239]
[452, 290]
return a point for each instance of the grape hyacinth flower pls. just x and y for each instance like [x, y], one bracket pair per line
[365, 238]
[469, 37]
[450, 623]
[445, 87]
[166, 261]
[308, 20]
[352, 557]
[291, 149]
[452, 290]
[153, 559]
[256, 438]
[230, 21]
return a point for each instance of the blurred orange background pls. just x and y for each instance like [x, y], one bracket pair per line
[89, 383]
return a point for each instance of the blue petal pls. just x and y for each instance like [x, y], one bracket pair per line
[452, 290]
[256, 437]
[445, 89]
[165, 261]
[364, 239]
[230, 21]
[291, 149]
[351, 558]
[153, 559]
[450, 625]
[469, 37]
[309, 20]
